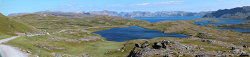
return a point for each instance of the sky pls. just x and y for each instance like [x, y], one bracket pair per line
[29, 6]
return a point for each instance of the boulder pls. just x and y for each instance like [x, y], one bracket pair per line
[245, 46]
[157, 45]
[137, 45]
[207, 40]
[201, 55]
[203, 35]
[145, 44]
[244, 55]
[237, 49]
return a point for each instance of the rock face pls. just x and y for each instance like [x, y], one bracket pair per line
[238, 13]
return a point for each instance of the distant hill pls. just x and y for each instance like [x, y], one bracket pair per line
[119, 14]
[55, 22]
[236, 13]
[10, 26]
[55, 13]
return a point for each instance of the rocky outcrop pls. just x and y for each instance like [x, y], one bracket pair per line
[203, 35]
[157, 49]
[143, 50]
[207, 40]
[170, 48]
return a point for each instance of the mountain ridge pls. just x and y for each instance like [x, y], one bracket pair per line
[119, 14]
[234, 13]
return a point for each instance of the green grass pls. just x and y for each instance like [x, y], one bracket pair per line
[26, 43]
[3, 36]
[93, 48]
[11, 27]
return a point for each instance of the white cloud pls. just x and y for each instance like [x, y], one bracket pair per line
[143, 4]
[160, 3]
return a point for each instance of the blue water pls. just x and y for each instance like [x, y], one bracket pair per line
[158, 19]
[224, 22]
[132, 33]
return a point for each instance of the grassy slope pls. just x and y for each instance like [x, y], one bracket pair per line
[74, 28]
[43, 46]
[10, 26]
[3, 36]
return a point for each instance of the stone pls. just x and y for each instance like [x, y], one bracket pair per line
[245, 46]
[244, 55]
[236, 48]
[207, 40]
[168, 42]
[145, 44]
[201, 55]
[203, 35]
[157, 45]
[137, 45]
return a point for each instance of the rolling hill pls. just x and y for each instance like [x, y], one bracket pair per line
[11, 27]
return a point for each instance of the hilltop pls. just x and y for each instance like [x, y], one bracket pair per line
[11, 27]
[234, 13]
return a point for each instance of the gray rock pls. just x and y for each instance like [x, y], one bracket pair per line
[244, 55]
[201, 55]
[157, 45]
[207, 40]
[145, 44]
[237, 48]
[203, 35]
[245, 46]
[137, 45]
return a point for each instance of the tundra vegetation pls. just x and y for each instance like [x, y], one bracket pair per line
[73, 37]
[10, 27]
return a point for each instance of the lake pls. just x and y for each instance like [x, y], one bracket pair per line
[224, 22]
[134, 32]
[158, 19]
[200, 23]
[220, 22]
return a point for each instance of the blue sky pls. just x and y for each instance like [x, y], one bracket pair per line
[29, 6]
